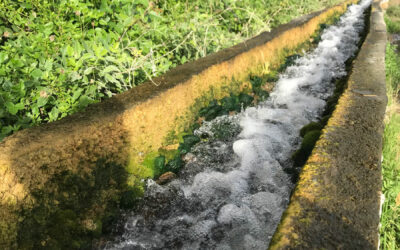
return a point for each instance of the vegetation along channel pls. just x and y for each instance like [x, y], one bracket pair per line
[59, 56]
[241, 168]
[390, 219]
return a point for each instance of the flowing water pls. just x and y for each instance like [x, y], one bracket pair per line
[232, 192]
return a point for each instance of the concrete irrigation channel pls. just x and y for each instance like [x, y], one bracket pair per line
[337, 200]
[74, 174]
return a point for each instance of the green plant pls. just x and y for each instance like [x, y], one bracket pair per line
[393, 12]
[307, 145]
[392, 19]
[310, 127]
[392, 70]
[392, 26]
[58, 56]
[390, 220]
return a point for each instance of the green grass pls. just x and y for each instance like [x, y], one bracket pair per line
[393, 11]
[392, 18]
[392, 26]
[58, 56]
[392, 72]
[390, 219]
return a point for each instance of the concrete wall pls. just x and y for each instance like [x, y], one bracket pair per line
[336, 202]
[126, 127]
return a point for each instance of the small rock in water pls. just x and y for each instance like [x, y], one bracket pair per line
[165, 178]
[89, 225]
[189, 157]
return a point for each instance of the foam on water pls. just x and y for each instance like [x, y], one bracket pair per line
[232, 192]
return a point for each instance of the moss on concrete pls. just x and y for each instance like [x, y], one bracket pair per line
[310, 138]
[75, 207]
[336, 201]
[310, 127]
[301, 155]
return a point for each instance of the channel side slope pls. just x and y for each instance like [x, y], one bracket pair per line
[337, 199]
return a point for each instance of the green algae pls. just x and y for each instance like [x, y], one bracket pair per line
[159, 165]
[174, 165]
[188, 142]
[310, 127]
[231, 103]
[307, 145]
[224, 129]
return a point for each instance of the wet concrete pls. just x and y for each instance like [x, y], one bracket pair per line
[336, 202]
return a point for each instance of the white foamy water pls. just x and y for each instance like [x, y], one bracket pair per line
[232, 193]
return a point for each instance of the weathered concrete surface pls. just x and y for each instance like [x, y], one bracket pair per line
[126, 127]
[336, 202]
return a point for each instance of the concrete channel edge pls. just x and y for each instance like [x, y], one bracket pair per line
[336, 202]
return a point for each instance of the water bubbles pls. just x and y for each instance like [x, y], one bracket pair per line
[234, 189]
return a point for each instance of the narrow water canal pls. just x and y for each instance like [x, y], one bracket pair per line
[232, 192]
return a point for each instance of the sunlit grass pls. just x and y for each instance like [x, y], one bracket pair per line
[392, 72]
[392, 19]
[393, 11]
[390, 219]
